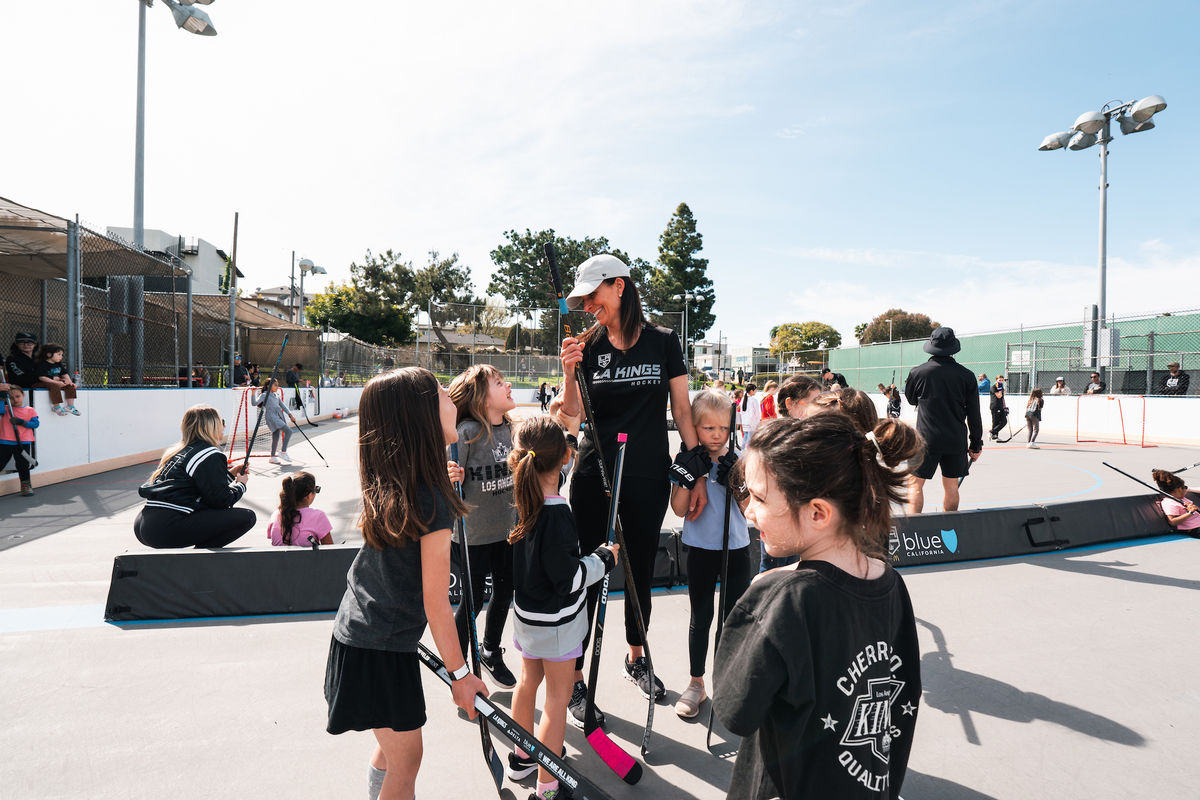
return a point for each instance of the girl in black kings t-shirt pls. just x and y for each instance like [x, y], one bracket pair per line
[831, 643]
[631, 369]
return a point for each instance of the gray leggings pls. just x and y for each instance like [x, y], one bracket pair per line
[1034, 424]
[286, 433]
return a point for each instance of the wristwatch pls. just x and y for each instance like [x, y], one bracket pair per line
[460, 673]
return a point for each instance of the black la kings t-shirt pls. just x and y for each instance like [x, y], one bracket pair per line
[629, 392]
[820, 671]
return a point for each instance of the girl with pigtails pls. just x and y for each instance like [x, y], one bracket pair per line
[296, 522]
[550, 578]
[818, 665]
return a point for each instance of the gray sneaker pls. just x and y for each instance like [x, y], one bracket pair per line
[638, 671]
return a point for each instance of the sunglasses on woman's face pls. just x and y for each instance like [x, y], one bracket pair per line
[316, 489]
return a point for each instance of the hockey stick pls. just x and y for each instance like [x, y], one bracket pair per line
[28, 457]
[1011, 435]
[580, 787]
[310, 444]
[594, 434]
[304, 407]
[1189, 466]
[1154, 489]
[609, 751]
[724, 579]
[468, 597]
[968, 472]
[262, 410]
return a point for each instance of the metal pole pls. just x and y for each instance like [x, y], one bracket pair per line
[139, 136]
[300, 313]
[1103, 239]
[292, 291]
[1150, 363]
[233, 299]
[45, 333]
[189, 322]
[74, 342]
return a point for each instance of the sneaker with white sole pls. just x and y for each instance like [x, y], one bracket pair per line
[286, 458]
[498, 672]
[688, 704]
[578, 705]
[1032, 446]
[638, 672]
[274, 460]
[520, 767]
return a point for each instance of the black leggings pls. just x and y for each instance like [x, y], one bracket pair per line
[494, 559]
[19, 453]
[999, 420]
[643, 506]
[209, 527]
[703, 572]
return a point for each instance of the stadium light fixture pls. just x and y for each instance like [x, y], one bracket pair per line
[306, 266]
[1095, 127]
[191, 19]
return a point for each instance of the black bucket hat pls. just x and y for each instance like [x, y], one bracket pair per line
[943, 342]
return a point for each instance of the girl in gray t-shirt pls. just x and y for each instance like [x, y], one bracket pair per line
[484, 399]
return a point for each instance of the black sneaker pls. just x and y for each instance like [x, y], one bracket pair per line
[578, 705]
[637, 672]
[520, 767]
[493, 662]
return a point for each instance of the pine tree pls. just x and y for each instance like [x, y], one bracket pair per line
[680, 271]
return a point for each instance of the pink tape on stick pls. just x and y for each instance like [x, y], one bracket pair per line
[617, 759]
[621, 437]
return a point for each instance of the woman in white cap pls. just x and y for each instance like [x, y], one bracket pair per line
[631, 368]
[1060, 386]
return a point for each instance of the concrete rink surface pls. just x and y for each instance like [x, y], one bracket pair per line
[1059, 675]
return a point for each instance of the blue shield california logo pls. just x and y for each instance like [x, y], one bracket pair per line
[950, 538]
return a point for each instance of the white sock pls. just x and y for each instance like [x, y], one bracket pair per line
[374, 781]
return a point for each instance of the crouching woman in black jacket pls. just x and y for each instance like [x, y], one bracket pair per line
[190, 497]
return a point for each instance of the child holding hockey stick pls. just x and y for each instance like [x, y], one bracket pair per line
[400, 580]
[550, 579]
[483, 399]
[703, 536]
[819, 666]
[17, 424]
[296, 520]
[1181, 512]
[276, 417]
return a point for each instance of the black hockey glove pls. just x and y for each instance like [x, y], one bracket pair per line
[606, 555]
[690, 466]
[724, 466]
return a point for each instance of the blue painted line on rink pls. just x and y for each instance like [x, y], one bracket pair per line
[1097, 482]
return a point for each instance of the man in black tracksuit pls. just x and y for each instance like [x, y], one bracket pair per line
[947, 399]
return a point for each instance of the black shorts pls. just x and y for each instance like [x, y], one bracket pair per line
[953, 465]
[368, 689]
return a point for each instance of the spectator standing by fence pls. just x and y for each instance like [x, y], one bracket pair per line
[1060, 386]
[240, 377]
[985, 386]
[1174, 382]
[1096, 386]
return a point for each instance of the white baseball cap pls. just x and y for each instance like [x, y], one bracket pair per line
[593, 272]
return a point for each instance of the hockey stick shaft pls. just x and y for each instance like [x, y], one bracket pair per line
[581, 788]
[263, 408]
[30, 461]
[724, 566]
[594, 437]
[1154, 489]
[1189, 466]
[468, 597]
[310, 442]
[609, 751]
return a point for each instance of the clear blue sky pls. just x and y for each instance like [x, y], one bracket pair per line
[840, 158]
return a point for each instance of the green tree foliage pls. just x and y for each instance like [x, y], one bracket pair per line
[680, 270]
[792, 336]
[904, 326]
[448, 285]
[859, 329]
[351, 310]
[523, 278]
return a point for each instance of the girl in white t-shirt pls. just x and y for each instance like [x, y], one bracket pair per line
[295, 522]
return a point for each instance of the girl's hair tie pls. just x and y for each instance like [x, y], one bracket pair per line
[878, 450]
[530, 453]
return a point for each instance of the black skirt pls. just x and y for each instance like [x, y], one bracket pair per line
[368, 689]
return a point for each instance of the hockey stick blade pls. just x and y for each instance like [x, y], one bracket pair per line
[609, 751]
[1011, 435]
[580, 787]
